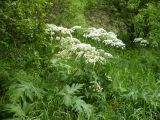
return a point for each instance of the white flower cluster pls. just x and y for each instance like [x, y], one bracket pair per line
[94, 33]
[108, 38]
[141, 41]
[112, 40]
[90, 54]
[95, 86]
[115, 43]
[68, 41]
[72, 46]
[52, 29]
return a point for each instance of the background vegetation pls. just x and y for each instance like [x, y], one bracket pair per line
[37, 85]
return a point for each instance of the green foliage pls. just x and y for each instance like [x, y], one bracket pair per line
[21, 21]
[136, 85]
[74, 13]
[21, 93]
[147, 23]
[133, 18]
[77, 104]
[69, 12]
[37, 84]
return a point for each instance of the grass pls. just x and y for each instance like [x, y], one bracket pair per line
[135, 84]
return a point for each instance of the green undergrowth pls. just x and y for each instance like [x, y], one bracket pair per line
[37, 84]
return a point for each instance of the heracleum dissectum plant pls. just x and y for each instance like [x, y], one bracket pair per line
[22, 94]
[71, 45]
[101, 35]
[66, 74]
[141, 41]
[71, 100]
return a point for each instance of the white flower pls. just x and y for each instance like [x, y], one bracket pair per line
[112, 35]
[94, 33]
[141, 41]
[58, 29]
[90, 54]
[144, 42]
[138, 40]
[108, 55]
[71, 46]
[58, 38]
[101, 34]
[95, 86]
[115, 43]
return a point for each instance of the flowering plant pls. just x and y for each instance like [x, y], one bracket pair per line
[72, 46]
[141, 41]
[108, 38]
